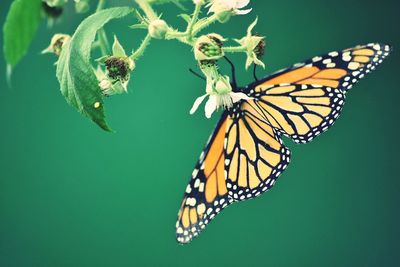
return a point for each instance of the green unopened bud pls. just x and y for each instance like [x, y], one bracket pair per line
[224, 17]
[223, 86]
[158, 29]
[57, 43]
[209, 47]
[81, 6]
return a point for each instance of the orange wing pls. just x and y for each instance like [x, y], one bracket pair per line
[206, 194]
[255, 155]
[305, 100]
[336, 69]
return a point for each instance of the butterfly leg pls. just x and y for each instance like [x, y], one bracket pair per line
[197, 74]
[255, 72]
[233, 71]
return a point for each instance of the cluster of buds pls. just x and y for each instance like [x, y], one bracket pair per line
[58, 41]
[118, 66]
[208, 49]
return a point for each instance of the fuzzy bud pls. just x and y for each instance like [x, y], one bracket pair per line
[259, 50]
[158, 29]
[57, 43]
[51, 12]
[209, 47]
[119, 68]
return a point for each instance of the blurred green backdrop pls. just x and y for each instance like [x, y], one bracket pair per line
[73, 195]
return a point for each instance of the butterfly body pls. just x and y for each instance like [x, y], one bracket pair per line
[245, 154]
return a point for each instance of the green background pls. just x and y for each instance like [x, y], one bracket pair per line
[73, 195]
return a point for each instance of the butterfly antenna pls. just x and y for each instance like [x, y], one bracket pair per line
[255, 72]
[197, 74]
[233, 71]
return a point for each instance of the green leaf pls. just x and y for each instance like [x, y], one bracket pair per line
[138, 26]
[117, 48]
[78, 81]
[19, 29]
[186, 17]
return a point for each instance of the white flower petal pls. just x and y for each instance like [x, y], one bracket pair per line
[236, 97]
[197, 103]
[241, 3]
[211, 106]
[243, 12]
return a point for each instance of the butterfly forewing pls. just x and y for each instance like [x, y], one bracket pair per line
[339, 70]
[305, 100]
[206, 194]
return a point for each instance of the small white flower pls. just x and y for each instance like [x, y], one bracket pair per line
[220, 95]
[234, 6]
[252, 44]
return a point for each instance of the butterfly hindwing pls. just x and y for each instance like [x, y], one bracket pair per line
[255, 155]
[301, 112]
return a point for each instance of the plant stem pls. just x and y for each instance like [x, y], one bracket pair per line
[101, 34]
[197, 28]
[234, 49]
[103, 42]
[139, 52]
[189, 29]
[147, 9]
[100, 5]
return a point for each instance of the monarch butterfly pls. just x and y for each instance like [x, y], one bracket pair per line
[245, 154]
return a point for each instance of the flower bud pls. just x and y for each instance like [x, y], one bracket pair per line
[57, 43]
[259, 50]
[119, 68]
[51, 12]
[158, 29]
[224, 17]
[223, 86]
[209, 47]
[82, 6]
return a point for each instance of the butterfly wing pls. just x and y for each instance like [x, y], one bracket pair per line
[249, 152]
[255, 155]
[245, 154]
[303, 101]
[301, 112]
[336, 69]
[206, 194]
